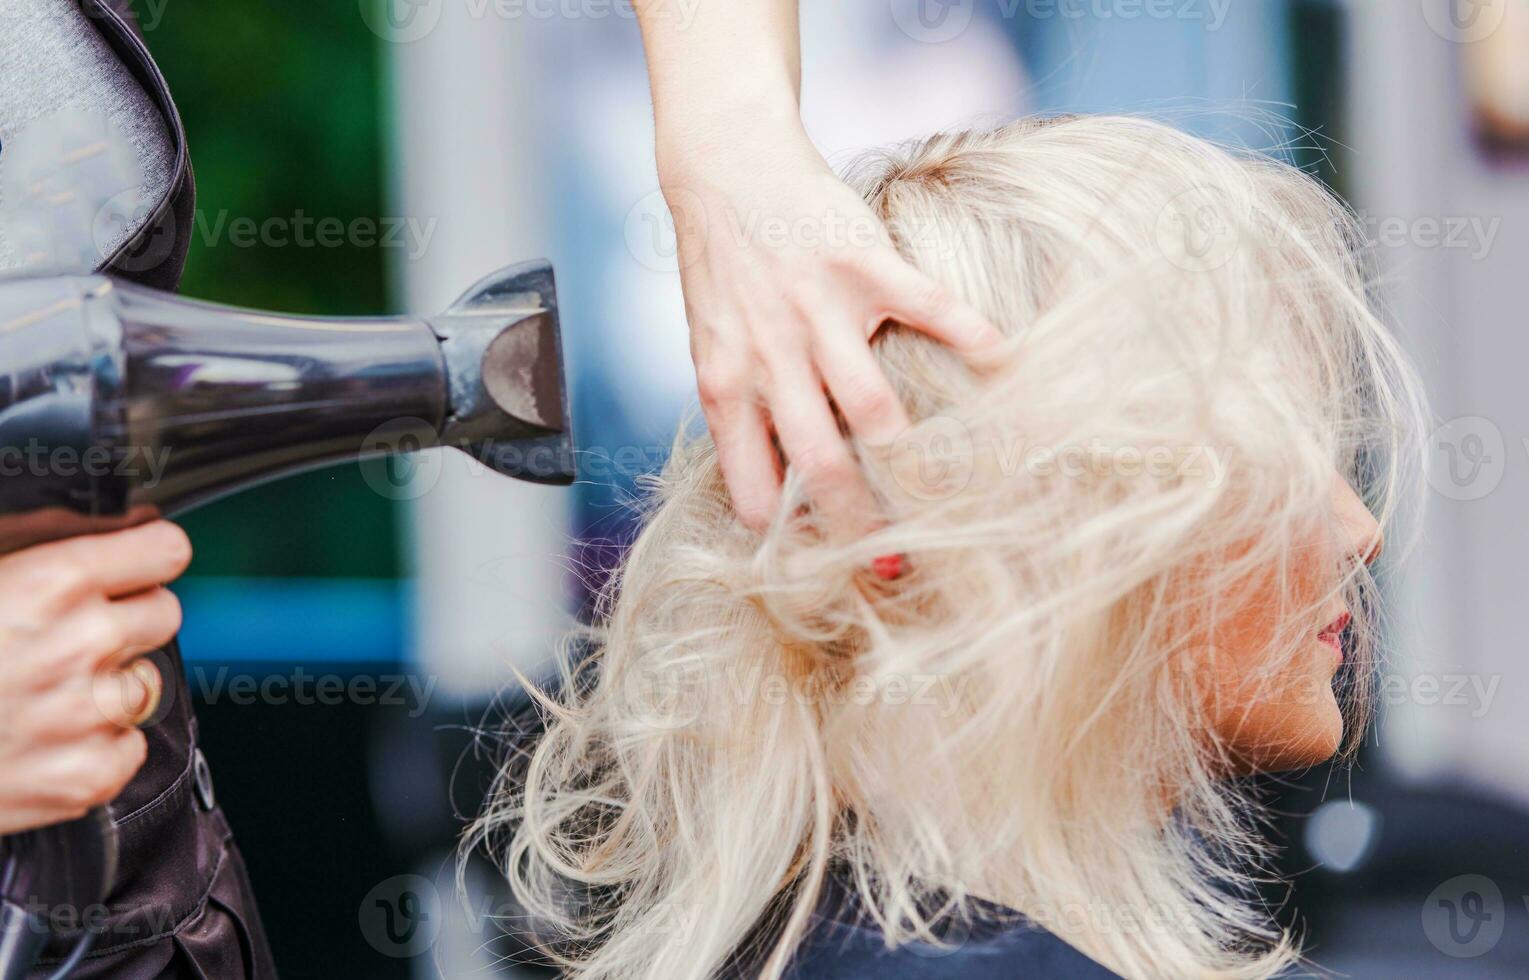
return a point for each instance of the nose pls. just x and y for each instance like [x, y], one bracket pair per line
[1358, 525]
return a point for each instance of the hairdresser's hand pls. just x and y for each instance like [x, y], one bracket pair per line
[787, 273]
[787, 276]
[74, 615]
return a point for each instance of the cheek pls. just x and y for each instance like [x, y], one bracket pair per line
[1275, 710]
[1288, 721]
[1271, 719]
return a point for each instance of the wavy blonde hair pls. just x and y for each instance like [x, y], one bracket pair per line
[1017, 717]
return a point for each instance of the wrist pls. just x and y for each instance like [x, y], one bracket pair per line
[694, 140]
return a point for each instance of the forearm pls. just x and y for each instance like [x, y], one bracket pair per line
[715, 66]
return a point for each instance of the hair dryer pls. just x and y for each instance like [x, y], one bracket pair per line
[119, 404]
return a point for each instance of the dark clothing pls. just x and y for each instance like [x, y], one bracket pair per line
[993, 944]
[181, 906]
[157, 255]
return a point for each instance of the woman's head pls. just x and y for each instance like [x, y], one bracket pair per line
[1128, 534]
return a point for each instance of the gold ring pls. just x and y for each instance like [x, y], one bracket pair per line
[154, 683]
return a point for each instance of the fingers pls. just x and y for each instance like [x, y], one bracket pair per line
[90, 773]
[110, 701]
[121, 563]
[99, 636]
[746, 455]
[816, 449]
[860, 388]
[926, 305]
[145, 622]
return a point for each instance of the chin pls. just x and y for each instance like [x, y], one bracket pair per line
[1272, 740]
[1311, 740]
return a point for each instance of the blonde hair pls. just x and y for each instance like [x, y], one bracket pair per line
[1017, 716]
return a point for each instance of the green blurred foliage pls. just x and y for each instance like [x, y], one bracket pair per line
[283, 102]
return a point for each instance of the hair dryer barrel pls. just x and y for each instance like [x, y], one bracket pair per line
[118, 402]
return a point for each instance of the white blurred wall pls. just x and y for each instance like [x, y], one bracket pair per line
[487, 551]
[1461, 611]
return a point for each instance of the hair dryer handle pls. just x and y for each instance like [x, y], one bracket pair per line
[50, 877]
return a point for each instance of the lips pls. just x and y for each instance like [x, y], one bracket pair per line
[1332, 633]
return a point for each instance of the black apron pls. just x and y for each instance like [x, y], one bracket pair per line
[182, 906]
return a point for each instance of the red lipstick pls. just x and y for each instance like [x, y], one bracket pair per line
[1332, 634]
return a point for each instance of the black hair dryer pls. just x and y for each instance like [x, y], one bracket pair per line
[120, 404]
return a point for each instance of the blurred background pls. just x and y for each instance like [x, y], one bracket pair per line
[474, 133]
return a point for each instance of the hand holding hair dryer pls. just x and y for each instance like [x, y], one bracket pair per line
[119, 404]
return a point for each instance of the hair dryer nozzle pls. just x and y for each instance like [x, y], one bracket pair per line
[508, 399]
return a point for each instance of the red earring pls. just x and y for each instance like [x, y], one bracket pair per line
[888, 568]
